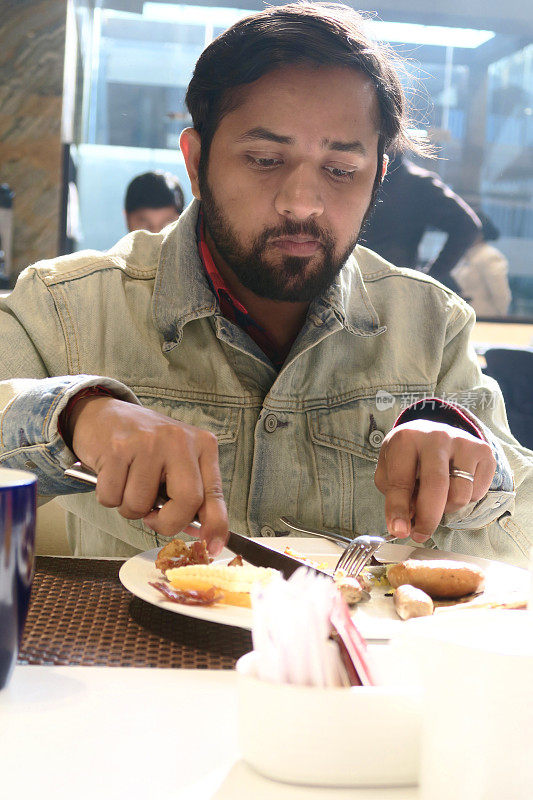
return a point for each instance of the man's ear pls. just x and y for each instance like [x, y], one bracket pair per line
[384, 165]
[191, 147]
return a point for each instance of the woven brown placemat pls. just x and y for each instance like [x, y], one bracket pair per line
[80, 614]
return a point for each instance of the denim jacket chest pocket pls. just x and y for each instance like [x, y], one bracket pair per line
[346, 442]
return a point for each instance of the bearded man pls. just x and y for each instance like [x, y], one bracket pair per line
[252, 357]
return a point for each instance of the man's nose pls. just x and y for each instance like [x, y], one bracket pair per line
[299, 196]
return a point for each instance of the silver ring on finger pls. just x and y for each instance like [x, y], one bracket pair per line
[461, 473]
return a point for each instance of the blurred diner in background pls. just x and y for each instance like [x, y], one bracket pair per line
[153, 200]
[482, 274]
[411, 201]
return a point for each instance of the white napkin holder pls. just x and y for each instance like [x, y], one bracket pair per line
[342, 737]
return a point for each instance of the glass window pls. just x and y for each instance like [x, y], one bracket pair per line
[470, 88]
[130, 106]
[507, 176]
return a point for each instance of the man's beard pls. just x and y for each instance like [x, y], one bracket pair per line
[288, 279]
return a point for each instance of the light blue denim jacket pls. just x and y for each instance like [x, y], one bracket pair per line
[142, 320]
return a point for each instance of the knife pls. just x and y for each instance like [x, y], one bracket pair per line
[260, 555]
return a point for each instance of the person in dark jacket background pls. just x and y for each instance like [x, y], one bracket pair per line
[410, 201]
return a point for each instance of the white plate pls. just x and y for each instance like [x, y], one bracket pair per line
[376, 619]
[137, 573]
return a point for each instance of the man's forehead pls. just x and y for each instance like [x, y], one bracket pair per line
[347, 94]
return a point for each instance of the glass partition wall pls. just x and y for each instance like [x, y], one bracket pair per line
[130, 106]
[471, 89]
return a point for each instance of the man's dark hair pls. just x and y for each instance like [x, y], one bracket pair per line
[154, 190]
[298, 33]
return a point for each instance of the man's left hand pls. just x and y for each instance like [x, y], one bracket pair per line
[413, 472]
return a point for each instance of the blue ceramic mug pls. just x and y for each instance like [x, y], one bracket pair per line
[18, 495]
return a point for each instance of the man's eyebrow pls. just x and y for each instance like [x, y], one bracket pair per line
[258, 133]
[263, 133]
[345, 147]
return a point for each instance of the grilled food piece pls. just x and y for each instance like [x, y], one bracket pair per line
[439, 578]
[351, 589]
[411, 602]
[178, 553]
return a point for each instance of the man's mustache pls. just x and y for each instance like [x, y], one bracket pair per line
[290, 228]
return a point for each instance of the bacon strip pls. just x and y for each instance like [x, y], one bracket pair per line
[190, 597]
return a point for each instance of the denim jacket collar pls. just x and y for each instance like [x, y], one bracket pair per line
[348, 299]
[180, 266]
[181, 292]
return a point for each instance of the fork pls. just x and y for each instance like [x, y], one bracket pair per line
[358, 553]
[333, 536]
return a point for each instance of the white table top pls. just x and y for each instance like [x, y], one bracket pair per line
[113, 733]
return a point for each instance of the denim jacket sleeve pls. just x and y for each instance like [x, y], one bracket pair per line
[30, 399]
[503, 516]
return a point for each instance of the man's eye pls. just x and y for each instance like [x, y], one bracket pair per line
[264, 162]
[341, 174]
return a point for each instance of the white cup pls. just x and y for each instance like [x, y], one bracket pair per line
[477, 727]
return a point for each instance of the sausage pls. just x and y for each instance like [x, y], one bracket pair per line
[439, 578]
[411, 602]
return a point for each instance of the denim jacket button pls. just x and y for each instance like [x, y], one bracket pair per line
[266, 530]
[270, 423]
[376, 438]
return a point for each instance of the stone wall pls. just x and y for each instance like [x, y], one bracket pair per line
[32, 44]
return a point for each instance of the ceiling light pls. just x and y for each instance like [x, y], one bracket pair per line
[195, 15]
[411, 33]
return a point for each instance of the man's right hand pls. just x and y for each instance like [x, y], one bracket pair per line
[134, 450]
